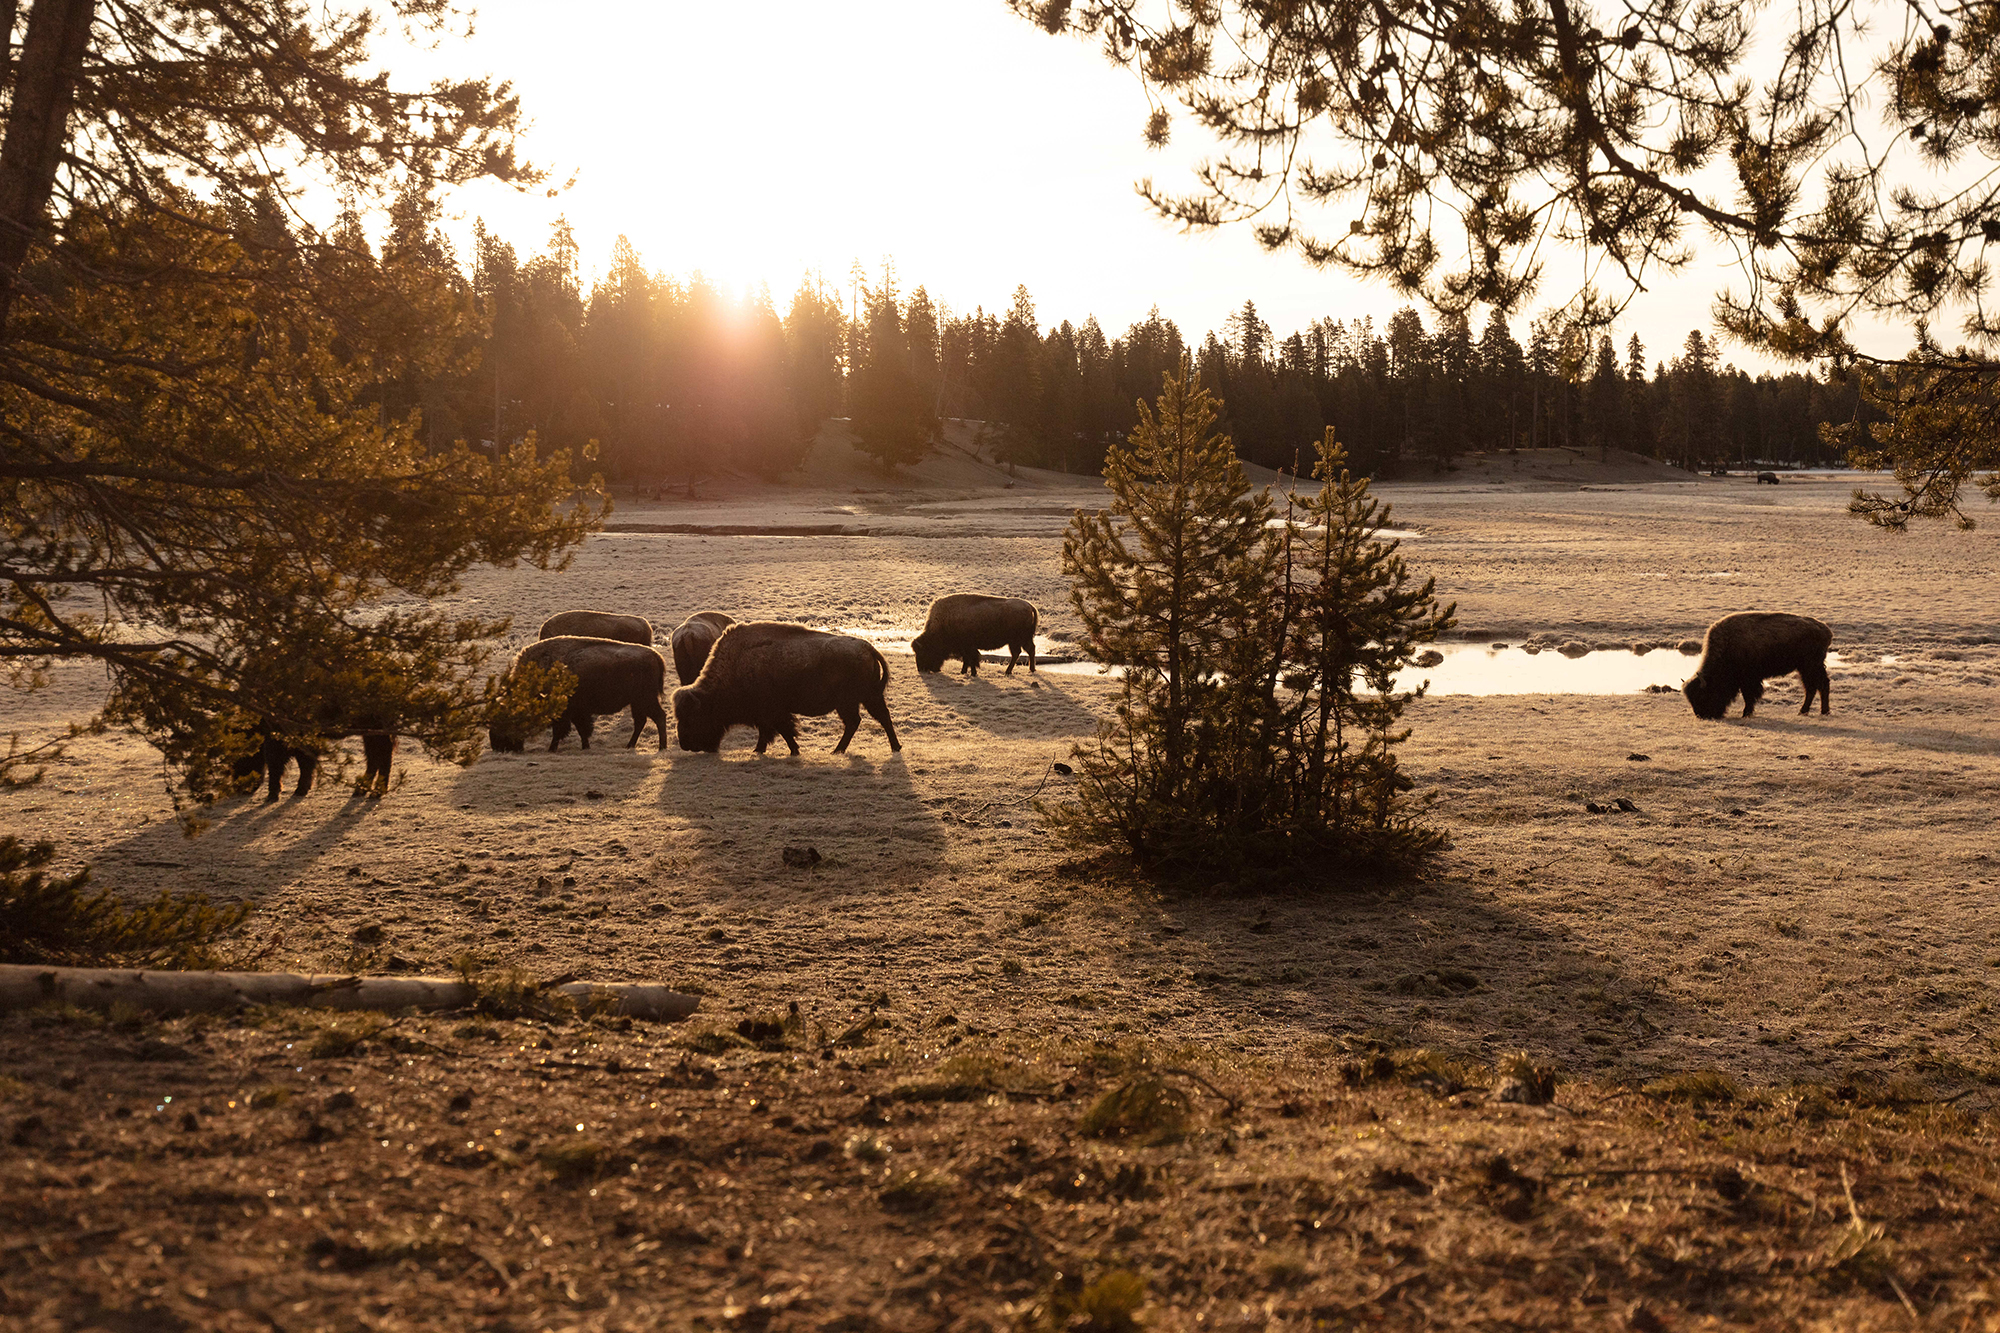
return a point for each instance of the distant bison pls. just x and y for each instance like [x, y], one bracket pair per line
[692, 640]
[1767, 479]
[1742, 651]
[965, 622]
[598, 625]
[610, 676]
[764, 673]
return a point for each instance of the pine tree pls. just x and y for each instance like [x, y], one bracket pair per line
[1352, 618]
[1170, 581]
[1257, 719]
[892, 420]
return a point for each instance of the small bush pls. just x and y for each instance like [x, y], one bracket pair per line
[1108, 1305]
[916, 1191]
[572, 1161]
[1522, 1080]
[344, 1036]
[56, 921]
[1146, 1107]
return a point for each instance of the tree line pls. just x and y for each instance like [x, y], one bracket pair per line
[675, 379]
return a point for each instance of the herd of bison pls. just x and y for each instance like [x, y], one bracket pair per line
[760, 673]
[765, 673]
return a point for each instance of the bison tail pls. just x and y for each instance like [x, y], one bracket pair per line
[881, 664]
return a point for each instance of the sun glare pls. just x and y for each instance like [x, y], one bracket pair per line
[766, 144]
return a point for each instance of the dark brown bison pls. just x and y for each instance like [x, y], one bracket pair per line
[598, 625]
[378, 750]
[764, 674]
[965, 622]
[692, 641]
[610, 676]
[1740, 652]
[1767, 479]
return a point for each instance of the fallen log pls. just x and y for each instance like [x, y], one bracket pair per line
[25, 986]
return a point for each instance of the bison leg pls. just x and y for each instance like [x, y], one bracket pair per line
[971, 663]
[850, 721]
[1013, 653]
[308, 765]
[878, 708]
[639, 717]
[788, 727]
[765, 731]
[659, 716]
[1817, 681]
[1029, 648]
[276, 753]
[378, 751]
[584, 726]
[1752, 692]
[560, 730]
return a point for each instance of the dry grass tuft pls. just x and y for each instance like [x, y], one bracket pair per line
[964, 1078]
[1701, 1088]
[916, 1191]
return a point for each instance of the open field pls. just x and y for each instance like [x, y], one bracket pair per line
[1795, 901]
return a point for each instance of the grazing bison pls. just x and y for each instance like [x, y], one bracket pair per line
[1767, 479]
[1740, 652]
[378, 749]
[610, 677]
[764, 673]
[598, 625]
[692, 641]
[965, 622]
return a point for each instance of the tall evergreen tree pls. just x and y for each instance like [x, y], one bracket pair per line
[1352, 617]
[1014, 385]
[1162, 580]
[892, 419]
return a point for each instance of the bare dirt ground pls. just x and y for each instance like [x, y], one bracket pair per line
[1794, 901]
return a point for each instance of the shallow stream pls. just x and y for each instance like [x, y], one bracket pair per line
[1465, 668]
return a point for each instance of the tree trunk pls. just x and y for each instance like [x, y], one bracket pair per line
[37, 127]
[23, 987]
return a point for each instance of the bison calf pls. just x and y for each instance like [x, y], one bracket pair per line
[598, 625]
[1740, 652]
[965, 622]
[692, 641]
[611, 676]
[764, 673]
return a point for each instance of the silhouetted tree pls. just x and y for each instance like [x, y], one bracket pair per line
[218, 484]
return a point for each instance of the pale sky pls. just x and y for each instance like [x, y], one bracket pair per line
[760, 142]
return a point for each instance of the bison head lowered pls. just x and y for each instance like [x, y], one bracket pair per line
[929, 652]
[698, 725]
[1708, 699]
